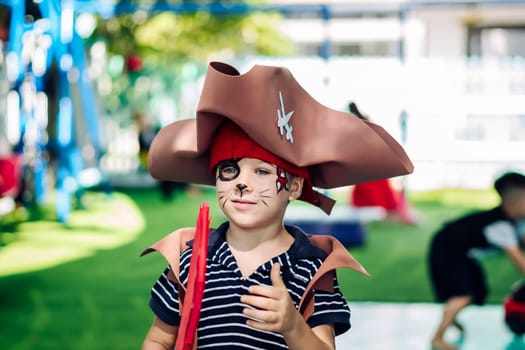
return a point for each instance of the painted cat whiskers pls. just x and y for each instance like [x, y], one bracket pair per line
[230, 170]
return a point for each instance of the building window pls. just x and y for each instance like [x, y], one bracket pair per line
[492, 128]
[496, 41]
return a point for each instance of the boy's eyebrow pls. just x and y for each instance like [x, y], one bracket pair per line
[265, 162]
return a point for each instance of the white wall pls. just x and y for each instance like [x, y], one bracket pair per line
[446, 29]
[439, 103]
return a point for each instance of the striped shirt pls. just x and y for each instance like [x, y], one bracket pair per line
[222, 324]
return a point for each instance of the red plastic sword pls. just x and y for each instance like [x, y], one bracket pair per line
[191, 308]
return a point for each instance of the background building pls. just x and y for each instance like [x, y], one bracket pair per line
[446, 77]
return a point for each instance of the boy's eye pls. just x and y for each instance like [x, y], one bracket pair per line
[228, 170]
[262, 172]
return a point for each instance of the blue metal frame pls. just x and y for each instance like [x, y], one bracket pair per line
[63, 49]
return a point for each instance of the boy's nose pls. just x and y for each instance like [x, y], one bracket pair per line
[241, 187]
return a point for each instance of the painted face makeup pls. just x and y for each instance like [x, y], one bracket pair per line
[229, 170]
[282, 179]
[250, 192]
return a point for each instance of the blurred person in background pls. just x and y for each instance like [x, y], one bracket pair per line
[380, 193]
[146, 132]
[456, 274]
[11, 182]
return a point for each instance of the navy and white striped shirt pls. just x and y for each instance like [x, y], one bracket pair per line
[222, 324]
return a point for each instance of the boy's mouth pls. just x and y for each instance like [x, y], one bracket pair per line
[242, 201]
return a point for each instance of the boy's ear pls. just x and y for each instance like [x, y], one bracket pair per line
[296, 188]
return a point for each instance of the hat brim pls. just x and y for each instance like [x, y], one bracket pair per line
[338, 148]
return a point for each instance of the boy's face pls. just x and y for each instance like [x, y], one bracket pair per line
[253, 193]
[515, 204]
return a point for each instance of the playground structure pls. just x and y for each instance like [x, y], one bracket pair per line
[50, 92]
[50, 98]
[44, 64]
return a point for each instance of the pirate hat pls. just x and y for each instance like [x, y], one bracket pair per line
[270, 106]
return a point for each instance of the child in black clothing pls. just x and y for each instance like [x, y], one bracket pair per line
[456, 275]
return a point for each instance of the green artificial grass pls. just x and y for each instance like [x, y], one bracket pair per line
[395, 254]
[98, 298]
[42, 243]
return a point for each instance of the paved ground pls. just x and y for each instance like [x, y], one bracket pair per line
[389, 326]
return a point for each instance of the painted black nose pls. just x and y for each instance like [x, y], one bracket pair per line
[241, 187]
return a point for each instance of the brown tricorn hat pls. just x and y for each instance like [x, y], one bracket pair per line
[270, 106]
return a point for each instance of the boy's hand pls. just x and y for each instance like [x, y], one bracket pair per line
[275, 310]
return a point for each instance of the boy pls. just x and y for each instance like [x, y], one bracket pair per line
[457, 278]
[263, 142]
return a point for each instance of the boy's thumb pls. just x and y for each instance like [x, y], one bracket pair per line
[275, 275]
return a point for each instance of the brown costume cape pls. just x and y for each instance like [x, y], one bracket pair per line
[337, 257]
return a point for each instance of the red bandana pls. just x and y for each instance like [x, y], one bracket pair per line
[231, 142]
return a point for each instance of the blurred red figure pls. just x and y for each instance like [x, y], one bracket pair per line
[374, 194]
[380, 193]
[10, 175]
[10, 171]
[11, 185]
